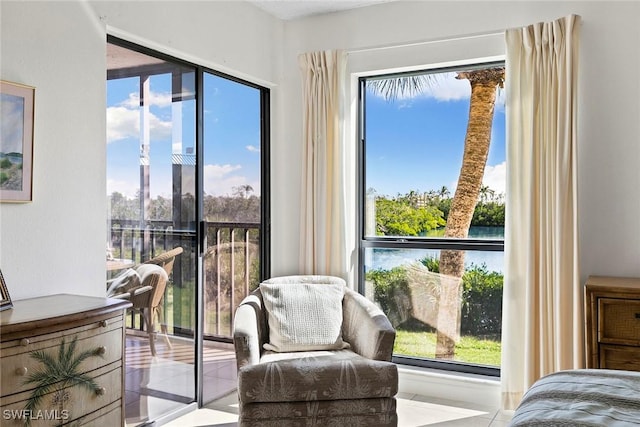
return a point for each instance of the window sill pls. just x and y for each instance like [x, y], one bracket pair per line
[477, 389]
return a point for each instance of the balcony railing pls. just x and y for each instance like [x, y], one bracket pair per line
[231, 269]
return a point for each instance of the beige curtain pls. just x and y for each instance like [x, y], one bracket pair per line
[323, 205]
[542, 328]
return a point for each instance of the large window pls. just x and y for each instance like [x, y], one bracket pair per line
[432, 176]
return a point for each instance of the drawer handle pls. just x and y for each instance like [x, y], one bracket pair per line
[101, 391]
[24, 342]
[22, 371]
[637, 315]
[104, 323]
[101, 351]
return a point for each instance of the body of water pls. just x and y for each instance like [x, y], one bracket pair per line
[377, 258]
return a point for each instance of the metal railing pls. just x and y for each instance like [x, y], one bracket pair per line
[231, 264]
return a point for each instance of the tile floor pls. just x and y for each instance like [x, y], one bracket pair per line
[413, 411]
[158, 385]
[155, 386]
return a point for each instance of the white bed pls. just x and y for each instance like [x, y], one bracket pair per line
[582, 397]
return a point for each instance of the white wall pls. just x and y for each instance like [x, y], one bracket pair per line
[609, 99]
[57, 242]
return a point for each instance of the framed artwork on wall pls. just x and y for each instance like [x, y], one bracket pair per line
[5, 299]
[16, 141]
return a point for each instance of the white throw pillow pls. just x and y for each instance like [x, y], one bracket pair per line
[303, 316]
[126, 279]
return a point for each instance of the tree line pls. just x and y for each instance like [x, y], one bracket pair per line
[240, 206]
[415, 213]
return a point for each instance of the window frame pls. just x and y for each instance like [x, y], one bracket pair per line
[410, 242]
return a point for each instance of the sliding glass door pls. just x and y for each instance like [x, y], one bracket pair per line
[186, 155]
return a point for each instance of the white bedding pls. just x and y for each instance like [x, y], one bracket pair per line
[583, 397]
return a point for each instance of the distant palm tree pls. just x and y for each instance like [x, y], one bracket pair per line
[484, 84]
[58, 375]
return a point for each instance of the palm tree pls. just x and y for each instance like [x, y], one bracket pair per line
[484, 83]
[59, 375]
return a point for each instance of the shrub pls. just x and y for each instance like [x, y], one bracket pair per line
[5, 163]
[481, 297]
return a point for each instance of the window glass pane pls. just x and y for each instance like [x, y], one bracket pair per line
[415, 146]
[151, 210]
[434, 162]
[407, 285]
[232, 144]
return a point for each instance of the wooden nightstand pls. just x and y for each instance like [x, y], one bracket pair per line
[612, 308]
[32, 334]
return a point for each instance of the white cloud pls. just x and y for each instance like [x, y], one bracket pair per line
[127, 188]
[158, 99]
[221, 179]
[123, 121]
[252, 148]
[495, 177]
[448, 88]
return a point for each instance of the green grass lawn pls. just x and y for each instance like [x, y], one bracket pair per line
[468, 350]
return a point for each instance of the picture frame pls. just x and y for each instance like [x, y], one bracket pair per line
[16, 141]
[5, 299]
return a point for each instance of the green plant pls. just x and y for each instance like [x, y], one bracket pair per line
[481, 301]
[59, 374]
[5, 163]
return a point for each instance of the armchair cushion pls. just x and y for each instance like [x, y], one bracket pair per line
[316, 375]
[303, 316]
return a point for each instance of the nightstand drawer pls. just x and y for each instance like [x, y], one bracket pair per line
[66, 404]
[619, 357]
[15, 368]
[619, 321]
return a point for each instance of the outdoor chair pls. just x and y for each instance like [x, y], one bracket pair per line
[310, 352]
[146, 297]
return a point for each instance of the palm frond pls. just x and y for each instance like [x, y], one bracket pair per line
[410, 86]
[84, 381]
[43, 378]
[35, 398]
[62, 370]
[73, 365]
[66, 357]
[45, 358]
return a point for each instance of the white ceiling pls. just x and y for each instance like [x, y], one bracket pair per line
[293, 9]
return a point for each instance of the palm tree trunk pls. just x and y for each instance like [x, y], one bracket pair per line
[476, 150]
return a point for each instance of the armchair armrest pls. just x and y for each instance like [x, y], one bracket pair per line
[366, 327]
[248, 330]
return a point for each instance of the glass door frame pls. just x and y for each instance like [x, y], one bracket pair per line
[201, 240]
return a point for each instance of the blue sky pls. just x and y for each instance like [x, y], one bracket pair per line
[412, 143]
[231, 134]
[11, 131]
[417, 143]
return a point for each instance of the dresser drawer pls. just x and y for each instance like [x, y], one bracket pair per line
[619, 357]
[77, 401]
[18, 363]
[619, 321]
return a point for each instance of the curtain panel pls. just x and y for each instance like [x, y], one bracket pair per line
[323, 194]
[543, 303]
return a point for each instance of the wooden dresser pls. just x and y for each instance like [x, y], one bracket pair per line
[612, 307]
[62, 361]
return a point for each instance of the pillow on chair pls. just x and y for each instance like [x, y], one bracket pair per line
[303, 316]
[124, 281]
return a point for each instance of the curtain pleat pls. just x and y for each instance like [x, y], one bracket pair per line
[542, 328]
[323, 204]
